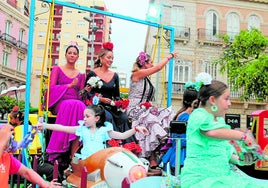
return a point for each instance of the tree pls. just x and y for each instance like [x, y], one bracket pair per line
[7, 103]
[246, 64]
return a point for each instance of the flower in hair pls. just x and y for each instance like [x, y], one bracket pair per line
[193, 86]
[189, 85]
[15, 109]
[143, 58]
[108, 46]
[73, 43]
[204, 78]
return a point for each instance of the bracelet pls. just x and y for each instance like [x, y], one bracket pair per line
[172, 55]
[244, 137]
[136, 129]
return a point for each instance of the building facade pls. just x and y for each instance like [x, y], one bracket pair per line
[198, 25]
[14, 25]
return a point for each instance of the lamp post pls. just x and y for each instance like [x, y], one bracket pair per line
[154, 14]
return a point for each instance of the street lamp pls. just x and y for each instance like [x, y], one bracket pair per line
[154, 13]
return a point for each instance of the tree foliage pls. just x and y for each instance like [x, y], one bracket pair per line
[7, 103]
[246, 64]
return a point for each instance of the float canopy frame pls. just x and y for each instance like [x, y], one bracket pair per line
[93, 10]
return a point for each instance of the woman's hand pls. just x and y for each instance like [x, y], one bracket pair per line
[88, 88]
[54, 183]
[105, 100]
[5, 133]
[174, 54]
[73, 83]
[248, 138]
[141, 129]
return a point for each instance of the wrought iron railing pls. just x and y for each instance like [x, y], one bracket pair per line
[9, 38]
[178, 88]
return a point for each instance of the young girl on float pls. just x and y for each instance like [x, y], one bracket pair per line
[211, 156]
[94, 131]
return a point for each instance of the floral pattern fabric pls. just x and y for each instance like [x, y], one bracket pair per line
[155, 119]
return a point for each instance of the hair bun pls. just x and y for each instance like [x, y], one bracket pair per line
[108, 46]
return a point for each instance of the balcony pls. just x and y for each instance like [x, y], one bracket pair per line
[12, 74]
[22, 45]
[182, 34]
[8, 38]
[178, 88]
[206, 36]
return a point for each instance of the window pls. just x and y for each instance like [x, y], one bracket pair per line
[8, 27]
[40, 46]
[3, 86]
[56, 61]
[233, 25]
[253, 22]
[81, 23]
[21, 34]
[182, 70]
[57, 49]
[5, 59]
[67, 35]
[177, 18]
[211, 25]
[41, 34]
[43, 21]
[39, 60]
[208, 67]
[19, 64]
[69, 10]
[68, 22]
[58, 36]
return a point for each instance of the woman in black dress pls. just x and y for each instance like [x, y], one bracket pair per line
[108, 92]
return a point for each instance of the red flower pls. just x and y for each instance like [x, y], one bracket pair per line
[146, 105]
[108, 46]
[114, 143]
[133, 147]
[15, 109]
[122, 103]
[90, 101]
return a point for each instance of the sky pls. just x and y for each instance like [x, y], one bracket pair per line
[128, 37]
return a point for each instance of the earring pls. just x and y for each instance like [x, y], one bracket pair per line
[100, 64]
[214, 108]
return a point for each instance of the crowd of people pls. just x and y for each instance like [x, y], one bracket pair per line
[86, 111]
